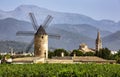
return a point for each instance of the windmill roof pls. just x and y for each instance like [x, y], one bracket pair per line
[41, 30]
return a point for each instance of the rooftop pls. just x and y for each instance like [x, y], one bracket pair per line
[40, 31]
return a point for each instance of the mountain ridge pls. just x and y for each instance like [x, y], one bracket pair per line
[77, 27]
[112, 41]
[10, 26]
[71, 35]
[21, 13]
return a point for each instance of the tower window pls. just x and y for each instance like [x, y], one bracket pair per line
[42, 37]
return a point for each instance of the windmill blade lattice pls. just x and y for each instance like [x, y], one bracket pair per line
[25, 33]
[29, 46]
[45, 24]
[56, 36]
[34, 21]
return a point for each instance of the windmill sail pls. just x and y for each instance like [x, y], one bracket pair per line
[47, 20]
[33, 20]
[37, 29]
[25, 33]
[55, 36]
[30, 46]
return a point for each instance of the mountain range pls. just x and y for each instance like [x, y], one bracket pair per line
[21, 13]
[73, 28]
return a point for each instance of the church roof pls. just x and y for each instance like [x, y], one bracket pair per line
[83, 44]
[40, 31]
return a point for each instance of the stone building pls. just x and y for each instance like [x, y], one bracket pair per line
[84, 48]
[41, 43]
[98, 42]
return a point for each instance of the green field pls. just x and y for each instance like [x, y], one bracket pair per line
[59, 70]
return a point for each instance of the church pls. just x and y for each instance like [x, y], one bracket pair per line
[98, 43]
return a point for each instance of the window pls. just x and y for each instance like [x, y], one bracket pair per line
[42, 37]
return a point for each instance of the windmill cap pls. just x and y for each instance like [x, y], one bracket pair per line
[41, 31]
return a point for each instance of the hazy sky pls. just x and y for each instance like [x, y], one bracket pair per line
[97, 9]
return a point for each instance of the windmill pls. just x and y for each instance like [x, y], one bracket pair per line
[40, 40]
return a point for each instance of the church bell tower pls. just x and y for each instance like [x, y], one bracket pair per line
[98, 42]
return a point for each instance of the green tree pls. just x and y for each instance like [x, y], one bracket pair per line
[7, 56]
[104, 53]
[118, 60]
[89, 54]
[50, 54]
[117, 56]
[77, 52]
[1, 57]
[58, 52]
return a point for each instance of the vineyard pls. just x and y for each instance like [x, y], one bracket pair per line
[59, 70]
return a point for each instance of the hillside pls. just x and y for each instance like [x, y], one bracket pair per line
[82, 29]
[21, 13]
[71, 35]
[112, 41]
[9, 27]
[73, 28]
[69, 39]
[17, 46]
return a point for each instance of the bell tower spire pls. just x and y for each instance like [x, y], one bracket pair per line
[98, 41]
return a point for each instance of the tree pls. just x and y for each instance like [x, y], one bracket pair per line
[117, 54]
[104, 53]
[7, 56]
[50, 54]
[77, 52]
[89, 54]
[117, 57]
[58, 52]
[1, 57]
